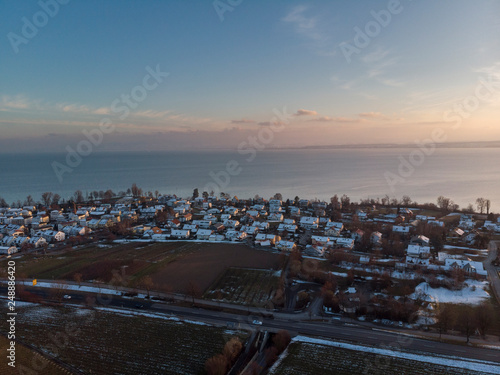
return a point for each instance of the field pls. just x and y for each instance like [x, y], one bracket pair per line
[244, 286]
[171, 265]
[102, 342]
[311, 359]
[26, 357]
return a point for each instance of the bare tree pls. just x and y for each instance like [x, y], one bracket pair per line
[232, 349]
[217, 365]
[484, 316]
[487, 204]
[147, 282]
[406, 200]
[480, 204]
[78, 278]
[193, 290]
[444, 203]
[55, 199]
[444, 318]
[466, 321]
[47, 198]
[78, 196]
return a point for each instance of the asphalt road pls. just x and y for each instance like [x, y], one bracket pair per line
[340, 330]
[492, 270]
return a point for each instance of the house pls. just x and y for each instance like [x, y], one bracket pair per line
[216, 237]
[291, 228]
[37, 242]
[376, 238]
[231, 223]
[8, 250]
[315, 251]
[466, 222]
[180, 233]
[286, 245]
[320, 240]
[275, 217]
[234, 235]
[249, 229]
[334, 228]
[471, 268]
[53, 236]
[203, 234]
[231, 210]
[420, 240]
[294, 211]
[362, 215]
[266, 239]
[186, 217]
[190, 227]
[401, 229]
[309, 222]
[418, 255]
[341, 242]
[357, 235]
[262, 225]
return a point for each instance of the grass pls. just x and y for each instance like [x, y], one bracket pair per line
[244, 286]
[305, 359]
[101, 342]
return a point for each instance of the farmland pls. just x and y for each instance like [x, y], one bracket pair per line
[307, 358]
[26, 358]
[103, 342]
[171, 266]
[244, 286]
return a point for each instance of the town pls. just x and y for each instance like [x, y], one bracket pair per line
[387, 239]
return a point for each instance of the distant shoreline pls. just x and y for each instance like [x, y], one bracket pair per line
[448, 145]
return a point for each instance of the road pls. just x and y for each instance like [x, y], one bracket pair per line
[492, 271]
[340, 331]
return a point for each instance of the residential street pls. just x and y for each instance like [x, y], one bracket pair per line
[492, 270]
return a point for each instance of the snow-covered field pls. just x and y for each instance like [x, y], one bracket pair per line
[473, 293]
[460, 364]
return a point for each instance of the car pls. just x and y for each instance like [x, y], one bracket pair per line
[139, 306]
[257, 322]
[67, 296]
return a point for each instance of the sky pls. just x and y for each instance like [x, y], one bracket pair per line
[167, 75]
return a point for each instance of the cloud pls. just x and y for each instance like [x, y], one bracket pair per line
[307, 27]
[303, 25]
[242, 121]
[335, 119]
[305, 112]
[15, 102]
[372, 115]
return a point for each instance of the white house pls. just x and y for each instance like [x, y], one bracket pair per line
[286, 245]
[401, 229]
[309, 222]
[418, 255]
[263, 239]
[275, 217]
[203, 234]
[180, 233]
[292, 228]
